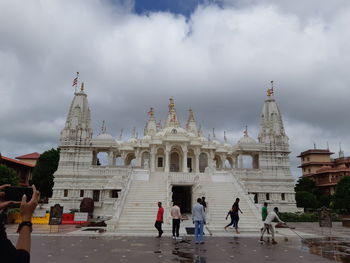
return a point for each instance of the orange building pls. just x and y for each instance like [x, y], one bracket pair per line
[317, 165]
[23, 169]
[30, 158]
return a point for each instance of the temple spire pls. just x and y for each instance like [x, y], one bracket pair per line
[271, 125]
[151, 125]
[191, 125]
[172, 120]
[78, 122]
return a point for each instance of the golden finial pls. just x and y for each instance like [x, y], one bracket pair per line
[171, 104]
[82, 86]
[270, 90]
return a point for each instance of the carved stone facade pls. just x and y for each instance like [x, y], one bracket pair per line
[183, 155]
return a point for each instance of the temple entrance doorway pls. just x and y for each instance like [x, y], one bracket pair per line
[182, 196]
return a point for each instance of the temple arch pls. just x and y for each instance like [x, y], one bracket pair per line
[130, 159]
[218, 162]
[203, 162]
[160, 159]
[145, 156]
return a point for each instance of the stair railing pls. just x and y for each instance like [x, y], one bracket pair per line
[121, 202]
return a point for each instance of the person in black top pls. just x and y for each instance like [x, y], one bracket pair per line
[204, 203]
[235, 209]
[21, 253]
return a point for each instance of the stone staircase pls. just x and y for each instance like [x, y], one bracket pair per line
[221, 193]
[140, 208]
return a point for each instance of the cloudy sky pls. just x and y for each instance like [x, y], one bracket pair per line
[217, 57]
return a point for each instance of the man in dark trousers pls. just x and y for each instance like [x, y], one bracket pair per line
[159, 219]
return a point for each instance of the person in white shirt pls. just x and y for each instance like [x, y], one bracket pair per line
[176, 215]
[268, 224]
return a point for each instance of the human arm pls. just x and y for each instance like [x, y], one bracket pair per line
[279, 220]
[27, 209]
[203, 215]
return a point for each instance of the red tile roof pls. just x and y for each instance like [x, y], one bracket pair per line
[15, 161]
[34, 155]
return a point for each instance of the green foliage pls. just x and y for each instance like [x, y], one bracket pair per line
[298, 217]
[44, 170]
[305, 184]
[306, 200]
[8, 176]
[342, 195]
[325, 200]
[303, 217]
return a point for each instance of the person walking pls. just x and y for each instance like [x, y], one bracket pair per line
[264, 215]
[198, 218]
[233, 222]
[236, 209]
[159, 219]
[204, 203]
[175, 213]
[268, 224]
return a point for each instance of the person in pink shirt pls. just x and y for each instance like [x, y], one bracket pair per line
[176, 215]
[159, 219]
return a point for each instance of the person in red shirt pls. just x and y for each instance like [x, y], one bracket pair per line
[159, 219]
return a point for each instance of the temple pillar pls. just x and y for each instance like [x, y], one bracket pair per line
[94, 158]
[196, 157]
[184, 162]
[110, 158]
[240, 161]
[152, 159]
[138, 157]
[167, 161]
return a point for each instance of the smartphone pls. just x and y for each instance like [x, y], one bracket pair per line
[15, 193]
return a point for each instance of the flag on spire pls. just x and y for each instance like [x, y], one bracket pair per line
[270, 91]
[75, 81]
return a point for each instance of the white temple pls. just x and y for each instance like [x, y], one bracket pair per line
[172, 163]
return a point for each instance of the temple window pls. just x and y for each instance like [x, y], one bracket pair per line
[283, 196]
[267, 196]
[81, 193]
[160, 162]
[114, 193]
[65, 193]
[96, 195]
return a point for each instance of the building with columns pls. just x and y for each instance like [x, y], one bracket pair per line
[171, 164]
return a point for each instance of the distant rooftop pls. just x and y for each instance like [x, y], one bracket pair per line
[316, 151]
[7, 159]
[33, 155]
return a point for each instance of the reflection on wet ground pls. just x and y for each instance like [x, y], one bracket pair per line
[337, 249]
[51, 249]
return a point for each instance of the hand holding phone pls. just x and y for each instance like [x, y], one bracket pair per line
[15, 193]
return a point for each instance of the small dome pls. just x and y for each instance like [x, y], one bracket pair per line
[104, 137]
[216, 142]
[146, 138]
[132, 140]
[247, 140]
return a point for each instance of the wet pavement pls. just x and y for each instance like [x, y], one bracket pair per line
[52, 249]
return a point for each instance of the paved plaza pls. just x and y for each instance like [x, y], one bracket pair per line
[51, 249]
[306, 244]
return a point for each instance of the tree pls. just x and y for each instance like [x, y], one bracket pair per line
[306, 200]
[8, 176]
[342, 195]
[305, 184]
[43, 172]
